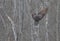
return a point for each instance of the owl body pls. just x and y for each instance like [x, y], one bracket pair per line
[39, 16]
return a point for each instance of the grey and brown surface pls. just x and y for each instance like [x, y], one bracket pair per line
[16, 21]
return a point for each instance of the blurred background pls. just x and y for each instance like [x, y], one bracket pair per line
[16, 23]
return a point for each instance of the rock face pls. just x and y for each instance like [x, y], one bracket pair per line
[16, 23]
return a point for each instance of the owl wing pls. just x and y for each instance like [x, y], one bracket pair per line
[42, 12]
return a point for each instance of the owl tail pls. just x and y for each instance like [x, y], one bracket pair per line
[36, 23]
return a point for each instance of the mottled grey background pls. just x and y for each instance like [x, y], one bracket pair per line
[20, 13]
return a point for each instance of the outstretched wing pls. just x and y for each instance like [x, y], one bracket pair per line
[42, 12]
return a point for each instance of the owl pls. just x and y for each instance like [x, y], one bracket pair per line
[39, 16]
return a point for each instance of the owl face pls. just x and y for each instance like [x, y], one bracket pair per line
[37, 17]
